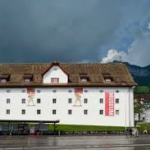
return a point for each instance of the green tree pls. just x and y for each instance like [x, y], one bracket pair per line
[139, 109]
[142, 90]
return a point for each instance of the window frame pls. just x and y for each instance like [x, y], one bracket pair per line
[117, 100]
[54, 100]
[101, 111]
[101, 100]
[23, 100]
[55, 80]
[8, 100]
[85, 112]
[69, 111]
[7, 111]
[117, 112]
[23, 111]
[85, 100]
[69, 100]
[38, 111]
[54, 112]
[38, 101]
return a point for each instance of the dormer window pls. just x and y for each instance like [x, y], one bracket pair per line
[4, 78]
[107, 77]
[54, 80]
[84, 77]
[28, 77]
[55, 74]
[27, 80]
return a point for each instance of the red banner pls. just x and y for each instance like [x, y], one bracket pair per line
[109, 103]
[30, 90]
[79, 90]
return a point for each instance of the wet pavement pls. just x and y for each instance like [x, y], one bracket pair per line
[74, 143]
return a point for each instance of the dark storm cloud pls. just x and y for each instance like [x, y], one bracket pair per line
[62, 30]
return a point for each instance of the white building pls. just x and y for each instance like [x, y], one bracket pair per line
[142, 100]
[75, 94]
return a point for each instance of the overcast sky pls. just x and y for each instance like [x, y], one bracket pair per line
[75, 31]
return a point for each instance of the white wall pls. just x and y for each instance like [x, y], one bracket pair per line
[147, 115]
[125, 106]
[55, 72]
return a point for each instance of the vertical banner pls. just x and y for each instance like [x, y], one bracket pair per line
[31, 94]
[78, 94]
[109, 103]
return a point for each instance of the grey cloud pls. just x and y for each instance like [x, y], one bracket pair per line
[68, 30]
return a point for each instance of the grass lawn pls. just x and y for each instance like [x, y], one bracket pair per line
[85, 128]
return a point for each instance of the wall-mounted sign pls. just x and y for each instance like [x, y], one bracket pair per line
[109, 103]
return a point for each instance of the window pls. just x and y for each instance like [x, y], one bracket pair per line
[4, 77]
[85, 91]
[23, 101]
[3, 80]
[38, 91]
[28, 77]
[54, 112]
[101, 112]
[38, 111]
[101, 100]
[69, 112]
[8, 111]
[54, 100]
[54, 80]
[7, 100]
[117, 112]
[54, 91]
[117, 101]
[23, 91]
[27, 80]
[107, 77]
[70, 91]
[38, 101]
[85, 100]
[85, 112]
[23, 111]
[84, 79]
[117, 91]
[108, 80]
[70, 100]
[8, 91]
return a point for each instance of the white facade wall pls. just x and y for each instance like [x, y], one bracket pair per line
[55, 72]
[147, 116]
[125, 106]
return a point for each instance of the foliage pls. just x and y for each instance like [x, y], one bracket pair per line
[142, 126]
[138, 108]
[142, 90]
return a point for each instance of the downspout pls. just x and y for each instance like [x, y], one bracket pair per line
[125, 114]
[129, 105]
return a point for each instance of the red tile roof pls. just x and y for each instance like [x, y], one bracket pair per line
[94, 71]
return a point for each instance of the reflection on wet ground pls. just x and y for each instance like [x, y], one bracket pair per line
[74, 142]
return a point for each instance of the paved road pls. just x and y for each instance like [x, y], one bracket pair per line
[74, 143]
